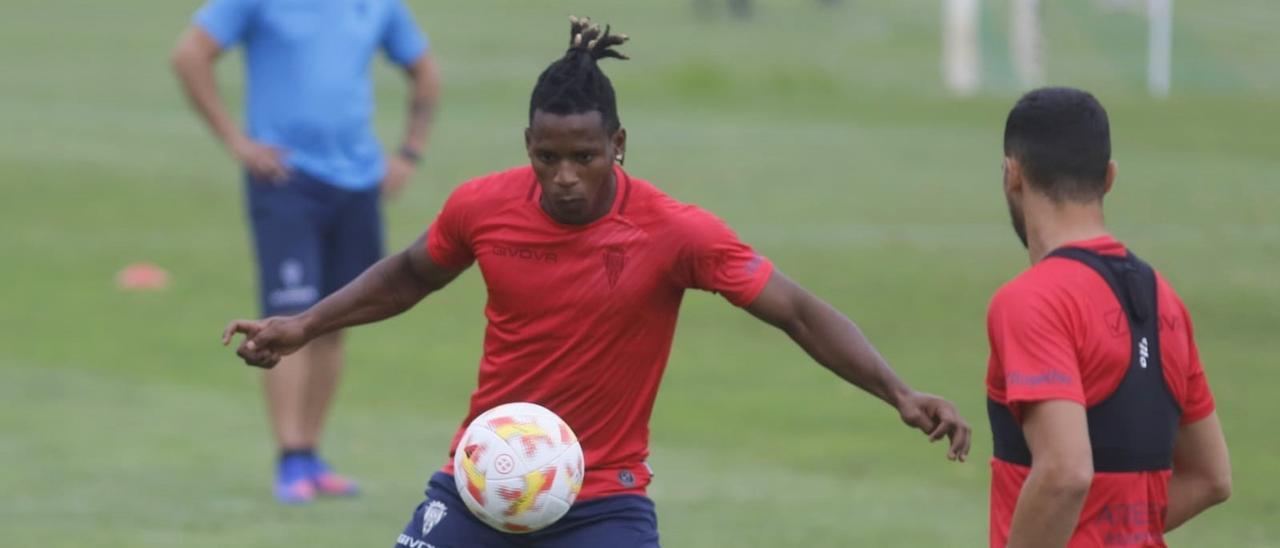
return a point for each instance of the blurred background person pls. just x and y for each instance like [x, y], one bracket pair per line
[314, 172]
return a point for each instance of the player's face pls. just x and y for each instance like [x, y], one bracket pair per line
[1012, 194]
[573, 157]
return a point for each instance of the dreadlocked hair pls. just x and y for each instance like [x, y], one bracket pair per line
[574, 84]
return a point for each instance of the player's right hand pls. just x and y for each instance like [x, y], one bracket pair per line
[265, 163]
[937, 418]
[266, 341]
[399, 171]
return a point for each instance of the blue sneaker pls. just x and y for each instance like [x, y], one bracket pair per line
[328, 482]
[293, 480]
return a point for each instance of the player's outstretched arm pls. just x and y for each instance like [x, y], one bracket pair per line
[386, 289]
[1201, 471]
[833, 340]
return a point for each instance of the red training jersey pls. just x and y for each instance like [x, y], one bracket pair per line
[581, 318]
[1057, 332]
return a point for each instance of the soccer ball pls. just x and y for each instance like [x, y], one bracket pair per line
[518, 467]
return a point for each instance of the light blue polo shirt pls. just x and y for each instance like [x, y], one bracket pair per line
[310, 87]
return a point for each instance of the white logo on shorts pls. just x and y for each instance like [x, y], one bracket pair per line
[291, 272]
[293, 293]
[431, 515]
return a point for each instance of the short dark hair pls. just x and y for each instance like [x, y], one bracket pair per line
[1062, 139]
[574, 84]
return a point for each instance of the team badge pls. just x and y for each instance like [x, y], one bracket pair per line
[431, 515]
[615, 259]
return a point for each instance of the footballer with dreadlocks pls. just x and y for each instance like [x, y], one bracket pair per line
[585, 267]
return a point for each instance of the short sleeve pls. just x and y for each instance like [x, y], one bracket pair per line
[1032, 348]
[1197, 401]
[402, 40]
[715, 260]
[449, 238]
[226, 21]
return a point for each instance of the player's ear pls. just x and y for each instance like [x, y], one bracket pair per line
[1111, 176]
[528, 138]
[1012, 176]
[619, 139]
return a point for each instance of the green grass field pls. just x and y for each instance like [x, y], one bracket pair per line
[820, 134]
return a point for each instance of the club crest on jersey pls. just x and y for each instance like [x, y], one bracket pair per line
[431, 515]
[615, 259]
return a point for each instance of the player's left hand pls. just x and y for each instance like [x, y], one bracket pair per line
[266, 341]
[937, 418]
[399, 171]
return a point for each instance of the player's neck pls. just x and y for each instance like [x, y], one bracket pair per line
[1052, 225]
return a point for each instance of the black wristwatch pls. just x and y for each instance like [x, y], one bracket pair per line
[408, 154]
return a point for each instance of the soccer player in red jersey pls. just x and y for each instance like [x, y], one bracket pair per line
[585, 267]
[1104, 426]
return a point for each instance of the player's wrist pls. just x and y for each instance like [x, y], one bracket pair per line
[409, 154]
[899, 396]
[237, 142]
[308, 325]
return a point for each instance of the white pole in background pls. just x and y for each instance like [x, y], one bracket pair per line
[961, 49]
[1026, 43]
[1160, 46]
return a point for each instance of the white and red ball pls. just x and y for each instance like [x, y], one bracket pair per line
[518, 467]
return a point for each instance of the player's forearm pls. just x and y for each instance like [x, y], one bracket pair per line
[1189, 495]
[1048, 509]
[196, 75]
[423, 98]
[386, 289]
[834, 341]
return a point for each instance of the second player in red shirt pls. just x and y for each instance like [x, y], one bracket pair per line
[1103, 424]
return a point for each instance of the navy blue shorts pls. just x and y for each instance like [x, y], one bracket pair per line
[311, 238]
[623, 521]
